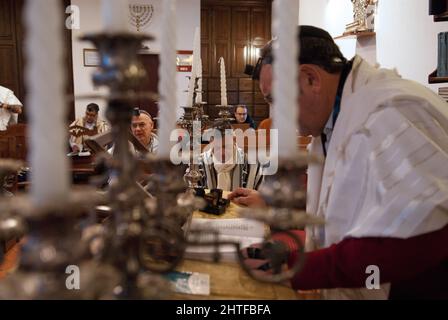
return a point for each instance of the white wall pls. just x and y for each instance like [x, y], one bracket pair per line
[406, 36]
[188, 12]
[310, 12]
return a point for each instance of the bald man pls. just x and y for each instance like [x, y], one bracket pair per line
[142, 128]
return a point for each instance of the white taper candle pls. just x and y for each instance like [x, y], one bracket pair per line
[223, 82]
[115, 15]
[194, 67]
[45, 80]
[285, 76]
[199, 75]
[167, 76]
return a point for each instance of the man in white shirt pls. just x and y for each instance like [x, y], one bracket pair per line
[85, 127]
[10, 108]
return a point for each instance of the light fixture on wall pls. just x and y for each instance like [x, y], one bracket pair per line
[251, 54]
[255, 53]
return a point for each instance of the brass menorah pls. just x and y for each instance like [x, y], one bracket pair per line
[140, 15]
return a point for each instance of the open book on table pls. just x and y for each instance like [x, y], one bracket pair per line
[243, 231]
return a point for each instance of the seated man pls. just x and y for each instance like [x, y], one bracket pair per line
[89, 125]
[142, 128]
[225, 166]
[10, 107]
[242, 116]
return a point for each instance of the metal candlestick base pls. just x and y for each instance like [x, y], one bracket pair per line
[51, 246]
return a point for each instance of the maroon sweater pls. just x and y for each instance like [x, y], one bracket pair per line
[416, 267]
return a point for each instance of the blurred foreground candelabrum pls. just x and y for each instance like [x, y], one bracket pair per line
[145, 233]
[143, 229]
[52, 246]
[10, 226]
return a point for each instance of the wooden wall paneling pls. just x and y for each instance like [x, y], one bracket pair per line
[9, 71]
[214, 98]
[259, 31]
[261, 111]
[246, 98]
[240, 40]
[151, 64]
[232, 84]
[232, 98]
[235, 29]
[250, 110]
[258, 97]
[213, 111]
[70, 90]
[4, 147]
[6, 20]
[214, 84]
[12, 62]
[241, 53]
[261, 34]
[206, 41]
[205, 25]
[205, 84]
[246, 84]
[221, 50]
[221, 29]
[206, 62]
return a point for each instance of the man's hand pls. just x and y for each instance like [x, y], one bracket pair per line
[266, 260]
[247, 197]
[11, 108]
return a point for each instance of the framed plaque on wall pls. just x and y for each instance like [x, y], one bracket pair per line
[184, 60]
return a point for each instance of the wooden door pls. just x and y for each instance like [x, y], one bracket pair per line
[12, 62]
[10, 48]
[151, 64]
[234, 30]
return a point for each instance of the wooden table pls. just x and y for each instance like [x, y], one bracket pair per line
[228, 281]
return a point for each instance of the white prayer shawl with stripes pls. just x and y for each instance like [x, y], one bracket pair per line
[7, 118]
[244, 175]
[386, 173]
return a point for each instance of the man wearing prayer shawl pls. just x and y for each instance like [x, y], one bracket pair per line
[383, 188]
[225, 166]
[10, 108]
